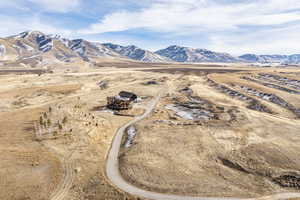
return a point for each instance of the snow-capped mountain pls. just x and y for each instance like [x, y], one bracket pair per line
[88, 50]
[251, 58]
[294, 59]
[39, 48]
[54, 48]
[265, 59]
[35, 45]
[137, 53]
[186, 54]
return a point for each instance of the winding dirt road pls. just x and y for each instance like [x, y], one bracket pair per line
[115, 177]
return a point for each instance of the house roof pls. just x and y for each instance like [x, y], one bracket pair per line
[130, 95]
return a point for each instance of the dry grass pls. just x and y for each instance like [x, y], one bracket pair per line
[237, 159]
[27, 169]
[32, 169]
[180, 159]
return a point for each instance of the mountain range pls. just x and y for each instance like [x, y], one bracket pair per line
[135, 53]
[36, 48]
[186, 54]
[283, 59]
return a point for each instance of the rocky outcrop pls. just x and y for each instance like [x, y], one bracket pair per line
[270, 85]
[291, 181]
[292, 83]
[271, 98]
[253, 104]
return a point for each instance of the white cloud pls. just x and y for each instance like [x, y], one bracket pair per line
[183, 16]
[236, 27]
[273, 41]
[29, 15]
[15, 4]
[57, 5]
[13, 25]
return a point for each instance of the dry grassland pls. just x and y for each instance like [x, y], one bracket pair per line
[55, 134]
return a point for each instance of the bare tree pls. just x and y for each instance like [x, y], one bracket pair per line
[60, 127]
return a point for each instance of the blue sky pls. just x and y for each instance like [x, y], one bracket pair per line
[233, 26]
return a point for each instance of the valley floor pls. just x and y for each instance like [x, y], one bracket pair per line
[216, 131]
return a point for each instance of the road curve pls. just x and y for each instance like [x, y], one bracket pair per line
[115, 177]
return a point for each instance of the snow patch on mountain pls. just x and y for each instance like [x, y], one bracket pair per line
[2, 50]
[88, 50]
[114, 47]
[78, 47]
[44, 42]
[22, 35]
[105, 51]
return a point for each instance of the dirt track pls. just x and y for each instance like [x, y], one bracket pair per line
[68, 176]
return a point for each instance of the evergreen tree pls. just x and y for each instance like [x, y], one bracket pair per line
[41, 120]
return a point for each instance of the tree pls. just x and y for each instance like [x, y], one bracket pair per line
[41, 120]
[65, 120]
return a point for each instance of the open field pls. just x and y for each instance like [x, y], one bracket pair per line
[216, 131]
[42, 161]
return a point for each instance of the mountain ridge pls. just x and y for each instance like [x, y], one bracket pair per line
[137, 53]
[272, 58]
[43, 48]
[187, 54]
